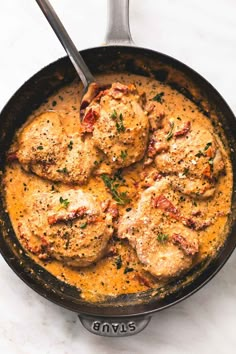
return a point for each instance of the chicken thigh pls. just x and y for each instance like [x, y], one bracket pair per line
[45, 148]
[118, 124]
[156, 230]
[189, 153]
[68, 226]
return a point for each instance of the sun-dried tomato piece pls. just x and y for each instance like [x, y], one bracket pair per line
[165, 204]
[66, 215]
[143, 280]
[190, 248]
[89, 120]
[12, 156]
[184, 130]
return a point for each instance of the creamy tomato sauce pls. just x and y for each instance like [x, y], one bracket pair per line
[120, 271]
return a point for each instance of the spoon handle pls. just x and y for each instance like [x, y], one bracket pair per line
[118, 30]
[75, 57]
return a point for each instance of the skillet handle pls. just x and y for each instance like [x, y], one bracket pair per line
[118, 31]
[114, 327]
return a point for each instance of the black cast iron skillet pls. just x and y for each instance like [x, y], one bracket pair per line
[125, 314]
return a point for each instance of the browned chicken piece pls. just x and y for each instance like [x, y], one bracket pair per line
[68, 226]
[156, 230]
[189, 153]
[118, 124]
[45, 148]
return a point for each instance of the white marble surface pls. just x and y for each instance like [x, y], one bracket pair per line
[203, 35]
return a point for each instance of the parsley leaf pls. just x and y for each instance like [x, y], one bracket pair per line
[158, 97]
[114, 114]
[170, 134]
[84, 225]
[63, 170]
[128, 270]
[119, 124]
[162, 237]
[119, 121]
[70, 145]
[186, 171]
[113, 184]
[123, 154]
[64, 202]
[207, 146]
[199, 154]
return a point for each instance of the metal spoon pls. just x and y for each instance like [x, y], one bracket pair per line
[90, 85]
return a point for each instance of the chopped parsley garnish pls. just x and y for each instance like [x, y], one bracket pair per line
[84, 225]
[186, 171]
[40, 147]
[113, 184]
[118, 262]
[162, 237]
[128, 270]
[64, 202]
[159, 97]
[119, 121]
[114, 114]
[170, 134]
[63, 170]
[118, 175]
[54, 103]
[119, 124]
[199, 154]
[70, 145]
[179, 118]
[123, 154]
[207, 146]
